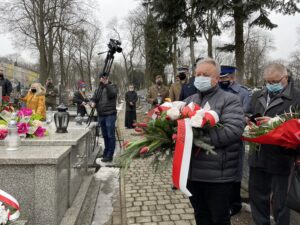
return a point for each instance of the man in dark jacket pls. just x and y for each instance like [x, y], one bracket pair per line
[228, 83]
[5, 84]
[270, 165]
[106, 104]
[211, 176]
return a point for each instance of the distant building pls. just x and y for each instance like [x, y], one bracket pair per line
[24, 76]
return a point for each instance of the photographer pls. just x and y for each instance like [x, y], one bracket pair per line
[106, 104]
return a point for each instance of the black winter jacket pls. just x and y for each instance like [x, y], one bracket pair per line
[78, 99]
[271, 158]
[222, 167]
[6, 87]
[107, 103]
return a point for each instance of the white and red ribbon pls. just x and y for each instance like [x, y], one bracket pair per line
[182, 155]
[12, 202]
[184, 141]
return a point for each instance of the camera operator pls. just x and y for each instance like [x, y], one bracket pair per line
[107, 114]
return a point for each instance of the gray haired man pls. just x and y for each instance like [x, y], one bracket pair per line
[212, 176]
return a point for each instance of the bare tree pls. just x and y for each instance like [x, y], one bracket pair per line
[37, 23]
[257, 46]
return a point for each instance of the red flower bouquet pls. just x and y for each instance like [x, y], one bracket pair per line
[281, 130]
[168, 137]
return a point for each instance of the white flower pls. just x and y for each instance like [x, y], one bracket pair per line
[246, 130]
[32, 129]
[173, 113]
[37, 123]
[25, 119]
[3, 214]
[275, 120]
[167, 104]
[2, 126]
[178, 104]
[197, 119]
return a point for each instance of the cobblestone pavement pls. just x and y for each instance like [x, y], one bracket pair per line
[146, 197]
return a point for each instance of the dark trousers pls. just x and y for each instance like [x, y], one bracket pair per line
[107, 124]
[211, 202]
[262, 186]
[236, 199]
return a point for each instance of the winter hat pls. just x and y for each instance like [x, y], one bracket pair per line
[81, 84]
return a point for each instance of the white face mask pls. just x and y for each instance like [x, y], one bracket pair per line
[83, 89]
[202, 83]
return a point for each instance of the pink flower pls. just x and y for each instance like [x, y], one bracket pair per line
[40, 132]
[3, 134]
[144, 150]
[23, 128]
[174, 137]
[24, 112]
[139, 130]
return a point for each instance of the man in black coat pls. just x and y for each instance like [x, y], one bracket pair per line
[5, 84]
[106, 105]
[130, 99]
[270, 165]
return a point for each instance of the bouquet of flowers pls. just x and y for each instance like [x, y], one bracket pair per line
[283, 130]
[29, 124]
[9, 208]
[169, 135]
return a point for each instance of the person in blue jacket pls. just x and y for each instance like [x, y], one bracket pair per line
[228, 83]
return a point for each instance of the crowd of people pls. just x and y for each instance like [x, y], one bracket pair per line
[214, 180]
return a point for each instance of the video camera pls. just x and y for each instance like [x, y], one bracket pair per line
[114, 46]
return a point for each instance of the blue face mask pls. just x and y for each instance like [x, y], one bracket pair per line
[202, 83]
[274, 87]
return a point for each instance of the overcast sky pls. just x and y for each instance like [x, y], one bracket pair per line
[285, 36]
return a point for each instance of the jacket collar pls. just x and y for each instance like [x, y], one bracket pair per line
[235, 87]
[208, 92]
[286, 93]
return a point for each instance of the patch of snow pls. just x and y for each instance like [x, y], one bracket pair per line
[108, 194]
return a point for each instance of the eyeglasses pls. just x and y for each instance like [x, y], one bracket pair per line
[275, 81]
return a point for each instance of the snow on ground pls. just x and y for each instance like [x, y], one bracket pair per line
[109, 189]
